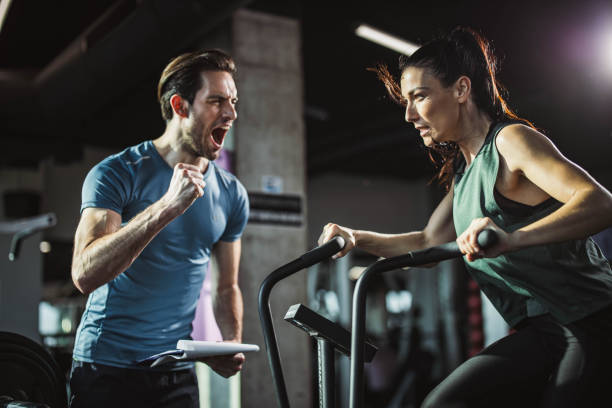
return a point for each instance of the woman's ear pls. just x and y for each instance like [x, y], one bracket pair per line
[463, 88]
[179, 106]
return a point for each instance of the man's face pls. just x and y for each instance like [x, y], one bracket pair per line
[211, 114]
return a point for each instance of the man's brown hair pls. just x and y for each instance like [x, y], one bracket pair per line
[182, 76]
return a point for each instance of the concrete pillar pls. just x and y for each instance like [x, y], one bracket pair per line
[270, 142]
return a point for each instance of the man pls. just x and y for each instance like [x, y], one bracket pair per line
[151, 217]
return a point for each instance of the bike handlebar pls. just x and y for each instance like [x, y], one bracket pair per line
[308, 259]
[486, 239]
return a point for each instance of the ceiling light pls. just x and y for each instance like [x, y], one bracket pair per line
[4, 6]
[606, 48]
[386, 40]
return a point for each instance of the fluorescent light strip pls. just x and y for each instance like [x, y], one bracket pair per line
[4, 6]
[386, 40]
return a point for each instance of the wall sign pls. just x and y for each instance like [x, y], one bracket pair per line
[279, 209]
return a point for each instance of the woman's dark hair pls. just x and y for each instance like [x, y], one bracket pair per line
[463, 52]
[182, 76]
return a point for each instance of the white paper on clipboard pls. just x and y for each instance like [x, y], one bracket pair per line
[190, 350]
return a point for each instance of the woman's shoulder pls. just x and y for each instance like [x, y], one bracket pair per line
[518, 141]
[519, 135]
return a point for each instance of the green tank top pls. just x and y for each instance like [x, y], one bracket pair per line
[569, 280]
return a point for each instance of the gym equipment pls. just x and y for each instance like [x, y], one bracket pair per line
[486, 239]
[29, 376]
[29, 373]
[329, 335]
[25, 227]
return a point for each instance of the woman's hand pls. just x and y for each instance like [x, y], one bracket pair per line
[468, 240]
[331, 230]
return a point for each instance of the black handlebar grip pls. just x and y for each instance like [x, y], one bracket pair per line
[339, 242]
[487, 238]
[324, 251]
[336, 244]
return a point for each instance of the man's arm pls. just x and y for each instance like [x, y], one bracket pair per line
[103, 249]
[227, 302]
[227, 305]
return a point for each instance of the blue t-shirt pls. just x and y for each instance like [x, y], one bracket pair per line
[151, 305]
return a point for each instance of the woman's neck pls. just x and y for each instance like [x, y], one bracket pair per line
[473, 132]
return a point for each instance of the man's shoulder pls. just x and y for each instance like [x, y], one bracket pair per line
[128, 157]
[134, 154]
[228, 180]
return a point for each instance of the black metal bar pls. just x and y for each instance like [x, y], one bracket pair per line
[319, 326]
[38, 222]
[310, 258]
[439, 253]
[327, 374]
[25, 227]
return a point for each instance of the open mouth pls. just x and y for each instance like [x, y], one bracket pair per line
[423, 130]
[218, 135]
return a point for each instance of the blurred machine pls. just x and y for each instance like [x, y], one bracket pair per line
[29, 375]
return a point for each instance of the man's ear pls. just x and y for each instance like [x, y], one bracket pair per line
[463, 88]
[179, 106]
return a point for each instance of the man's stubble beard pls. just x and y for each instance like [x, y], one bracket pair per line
[194, 144]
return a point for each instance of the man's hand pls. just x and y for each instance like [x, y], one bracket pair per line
[186, 186]
[225, 366]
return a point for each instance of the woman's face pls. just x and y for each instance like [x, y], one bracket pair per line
[432, 108]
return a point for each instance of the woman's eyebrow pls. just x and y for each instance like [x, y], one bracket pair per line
[418, 88]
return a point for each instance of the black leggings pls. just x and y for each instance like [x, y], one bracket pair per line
[542, 364]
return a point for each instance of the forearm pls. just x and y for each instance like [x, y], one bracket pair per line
[389, 245]
[228, 310]
[227, 305]
[586, 213]
[106, 257]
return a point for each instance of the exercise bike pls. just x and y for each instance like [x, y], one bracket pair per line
[329, 335]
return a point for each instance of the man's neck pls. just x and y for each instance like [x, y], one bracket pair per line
[171, 148]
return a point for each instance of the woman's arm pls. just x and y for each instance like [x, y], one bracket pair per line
[586, 209]
[439, 229]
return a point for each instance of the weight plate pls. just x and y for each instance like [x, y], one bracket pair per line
[29, 373]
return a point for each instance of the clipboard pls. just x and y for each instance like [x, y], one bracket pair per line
[191, 350]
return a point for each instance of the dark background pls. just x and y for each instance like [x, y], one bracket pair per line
[551, 56]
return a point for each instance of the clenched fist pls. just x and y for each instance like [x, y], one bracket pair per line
[186, 186]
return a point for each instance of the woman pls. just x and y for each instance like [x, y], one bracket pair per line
[545, 276]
